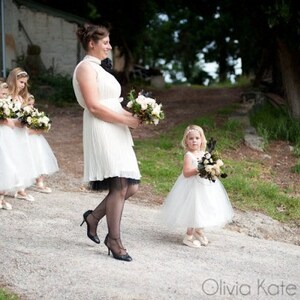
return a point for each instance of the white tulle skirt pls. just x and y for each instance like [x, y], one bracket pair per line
[198, 203]
[43, 156]
[17, 168]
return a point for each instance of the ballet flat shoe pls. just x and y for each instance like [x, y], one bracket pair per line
[191, 241]
[201, 238]
[26, 197]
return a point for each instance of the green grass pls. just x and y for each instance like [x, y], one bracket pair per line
[4, 295]
[161, 161]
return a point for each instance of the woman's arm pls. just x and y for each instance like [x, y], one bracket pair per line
[188, 167]
[86, 78]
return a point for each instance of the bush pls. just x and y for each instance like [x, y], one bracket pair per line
[57, 89]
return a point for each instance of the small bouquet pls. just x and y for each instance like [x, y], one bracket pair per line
[209, 166]
[34, 119]
[9, 109]
[145, 107]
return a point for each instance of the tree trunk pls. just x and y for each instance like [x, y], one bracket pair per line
[222, 61]
[290, 66]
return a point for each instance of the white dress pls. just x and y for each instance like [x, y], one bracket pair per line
[43, 156]
[17, 168]
[197, 202]
[108, 147]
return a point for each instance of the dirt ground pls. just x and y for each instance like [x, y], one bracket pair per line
[180, 104]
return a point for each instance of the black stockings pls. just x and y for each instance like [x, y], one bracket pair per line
[112, 206]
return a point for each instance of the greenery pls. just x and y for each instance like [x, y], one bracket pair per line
[57, 89]
[274, 123]
[245, 184]
[4, 295]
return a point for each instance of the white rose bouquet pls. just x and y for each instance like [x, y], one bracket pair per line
[145, 107]
[209, 166]
[34, 119]
[9, 109]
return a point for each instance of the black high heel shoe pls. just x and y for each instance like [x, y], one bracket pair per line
[125, 257]
[94, 238]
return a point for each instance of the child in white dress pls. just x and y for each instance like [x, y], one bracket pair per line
[194, 202]
[16, 163]
[42, 155]
[45, 160]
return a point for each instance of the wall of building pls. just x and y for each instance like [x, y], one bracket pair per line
[55, 35]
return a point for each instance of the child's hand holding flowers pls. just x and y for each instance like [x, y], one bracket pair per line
[209, 166]
[145, 108]
[34, 119]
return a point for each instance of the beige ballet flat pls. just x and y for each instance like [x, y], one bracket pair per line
[201, 238]
[42, 189]
[26, 197]
[6, 205]
[189, 240]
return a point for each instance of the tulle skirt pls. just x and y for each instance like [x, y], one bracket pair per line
[17, 168]
[43, 156]
[198, 203]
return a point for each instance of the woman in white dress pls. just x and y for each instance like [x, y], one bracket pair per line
[109, 159]
[194, 202]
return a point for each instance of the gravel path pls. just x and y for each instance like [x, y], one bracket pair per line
[45, 254]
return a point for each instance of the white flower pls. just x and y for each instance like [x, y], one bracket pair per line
[207, 155]
[150, 101]
[208, 168]
[156, 110]
[156, 121]
[27, 109]
[129, 104]
[142, 101]
[217, 170]
[6, 111]
[45, 120]
[29, 120]
[219, 163]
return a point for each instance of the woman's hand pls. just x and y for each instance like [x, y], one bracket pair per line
[133, 122]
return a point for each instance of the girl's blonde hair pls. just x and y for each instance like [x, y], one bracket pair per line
[11, 80]
[201, 132]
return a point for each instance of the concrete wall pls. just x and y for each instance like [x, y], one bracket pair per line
[54, 34]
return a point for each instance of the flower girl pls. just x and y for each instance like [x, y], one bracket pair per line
[16, 165]
[44, 160]
[195, 202]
